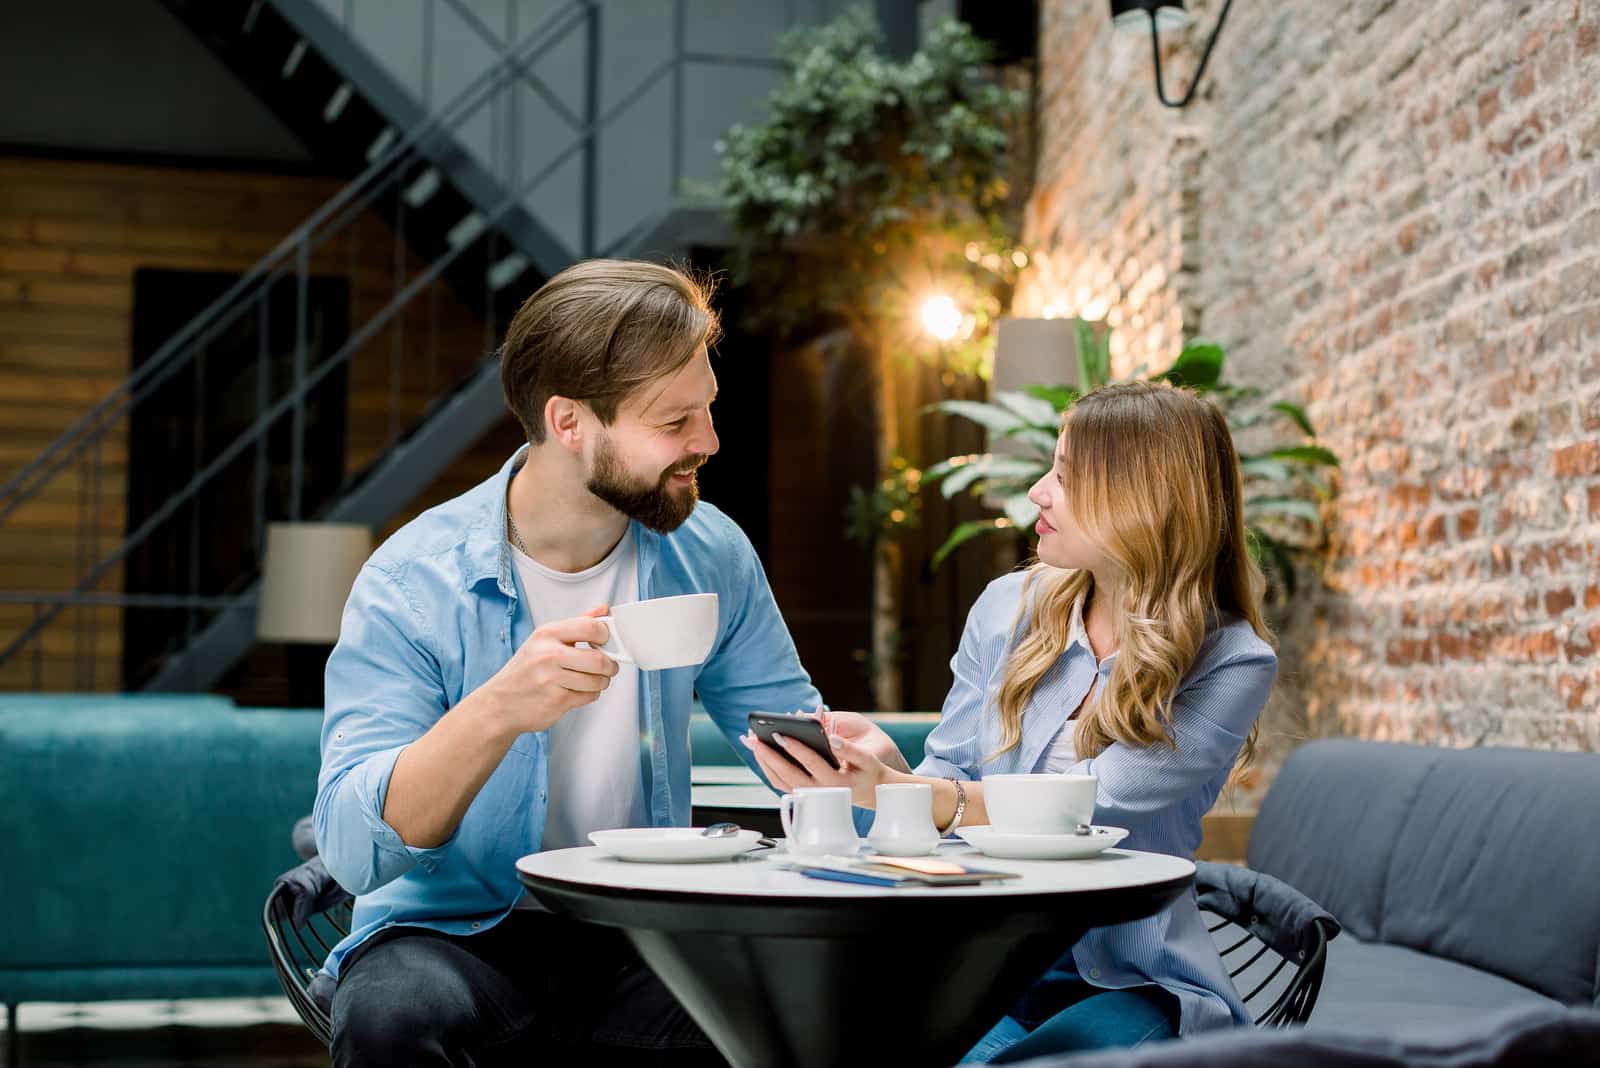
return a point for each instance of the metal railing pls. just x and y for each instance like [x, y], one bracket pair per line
[407, 328]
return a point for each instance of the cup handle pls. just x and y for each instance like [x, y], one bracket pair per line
[786, 807]
[613, 646]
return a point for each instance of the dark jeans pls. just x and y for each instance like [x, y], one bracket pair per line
[534, 989]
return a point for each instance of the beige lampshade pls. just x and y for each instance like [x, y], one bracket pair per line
[306, 579]
[1032, 352]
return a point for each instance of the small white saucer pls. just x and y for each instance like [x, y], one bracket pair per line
[993, 843]
[672, 845]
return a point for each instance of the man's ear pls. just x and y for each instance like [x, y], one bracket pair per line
[563, 422]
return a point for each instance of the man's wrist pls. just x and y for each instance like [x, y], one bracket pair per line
[492, 715]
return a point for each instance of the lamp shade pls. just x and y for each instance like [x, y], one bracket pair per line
[306, 579]
[1133, 16]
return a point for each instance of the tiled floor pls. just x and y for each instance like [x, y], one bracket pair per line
[213, 1033]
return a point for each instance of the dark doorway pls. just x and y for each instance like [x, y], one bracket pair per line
[209, 544]
[736, 479]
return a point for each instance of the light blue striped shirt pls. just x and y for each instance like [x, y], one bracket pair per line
[1158, 793]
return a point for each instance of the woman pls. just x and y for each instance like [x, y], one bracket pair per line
[1134, 650]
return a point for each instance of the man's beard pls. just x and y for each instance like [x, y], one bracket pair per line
[658, 506]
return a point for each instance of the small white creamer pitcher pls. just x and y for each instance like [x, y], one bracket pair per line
[903, 826]
[816, 821]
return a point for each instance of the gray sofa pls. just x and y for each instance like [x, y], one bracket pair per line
[1467, 882]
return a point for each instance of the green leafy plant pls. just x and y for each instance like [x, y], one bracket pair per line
[888, 509]
[1284, 484]
[873, 185]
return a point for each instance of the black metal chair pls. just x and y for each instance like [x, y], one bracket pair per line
[305, 915]
[1272, 938]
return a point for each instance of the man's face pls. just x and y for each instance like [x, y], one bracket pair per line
[644, 464]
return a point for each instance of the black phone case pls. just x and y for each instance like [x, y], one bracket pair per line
[807, 732]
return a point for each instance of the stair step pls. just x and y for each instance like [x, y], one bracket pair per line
[292, 63]
[381, 143]
[506, 271]
[427, 184]
[467, 230]
[336, 103]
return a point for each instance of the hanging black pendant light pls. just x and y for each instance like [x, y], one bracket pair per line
[1153, 16]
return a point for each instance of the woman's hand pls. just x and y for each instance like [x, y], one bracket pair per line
[854, 727]
[859, 767]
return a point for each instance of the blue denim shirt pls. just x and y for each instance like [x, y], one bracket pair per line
[1158, 793]
[433, 615]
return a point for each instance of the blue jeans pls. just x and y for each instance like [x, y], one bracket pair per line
[1062, 1013]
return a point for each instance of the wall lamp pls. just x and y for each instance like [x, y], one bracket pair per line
[1153, 16]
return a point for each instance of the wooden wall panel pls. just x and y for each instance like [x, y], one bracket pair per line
[72, 234]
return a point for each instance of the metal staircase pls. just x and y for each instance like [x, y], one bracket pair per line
[449, 199]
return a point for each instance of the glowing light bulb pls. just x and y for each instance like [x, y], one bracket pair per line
[941, 318]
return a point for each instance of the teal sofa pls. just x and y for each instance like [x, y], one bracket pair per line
[142, 834]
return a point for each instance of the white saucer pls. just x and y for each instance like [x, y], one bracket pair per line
[672, 845]
[995, 843]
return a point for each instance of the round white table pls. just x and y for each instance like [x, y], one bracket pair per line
[783, 970]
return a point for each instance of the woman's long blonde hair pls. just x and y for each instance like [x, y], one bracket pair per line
[1152, 480]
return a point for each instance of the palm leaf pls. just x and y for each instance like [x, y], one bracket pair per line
[1306, 454]
[1284, 506]
[1198, 366]
[1060, 397]
[987, 416]
[1022, 512]
[966, 532]
[1032, 410]
[1296, 413]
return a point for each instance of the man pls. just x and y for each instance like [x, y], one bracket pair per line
[470, 723]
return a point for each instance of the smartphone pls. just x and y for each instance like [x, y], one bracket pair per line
[803, 729]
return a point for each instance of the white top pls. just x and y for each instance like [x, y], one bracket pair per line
[1062, 752]
[596, 782]
[759, 875]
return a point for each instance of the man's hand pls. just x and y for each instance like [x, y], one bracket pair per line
[549, 675]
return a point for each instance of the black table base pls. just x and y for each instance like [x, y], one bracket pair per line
[798, 983]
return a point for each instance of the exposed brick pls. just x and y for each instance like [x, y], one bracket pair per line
[1558, 601]
[1423, 277]
[1574, 461]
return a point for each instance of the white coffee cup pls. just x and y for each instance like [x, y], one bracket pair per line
[903, 825]
[1039, 804]
[664, 632]
[816, 821]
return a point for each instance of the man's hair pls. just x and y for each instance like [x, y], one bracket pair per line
[598, 331]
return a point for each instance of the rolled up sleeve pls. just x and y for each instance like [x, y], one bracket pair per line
[383, 691]
[1211, 718]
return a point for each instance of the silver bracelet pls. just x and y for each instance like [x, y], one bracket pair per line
[961, 808]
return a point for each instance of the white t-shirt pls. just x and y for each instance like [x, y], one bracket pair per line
[1062, 752]
[596, 781]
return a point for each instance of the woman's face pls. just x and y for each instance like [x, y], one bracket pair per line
[1061, 541]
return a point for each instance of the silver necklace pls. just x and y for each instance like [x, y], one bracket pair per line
[511, 528]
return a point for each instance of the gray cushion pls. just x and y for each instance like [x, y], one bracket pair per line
[1497, 866]
[1515, 1038]
[1273, 911]
[1370, 986]
[1328, 824]
[1471, 855]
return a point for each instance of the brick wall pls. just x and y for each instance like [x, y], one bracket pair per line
[1390, 213]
